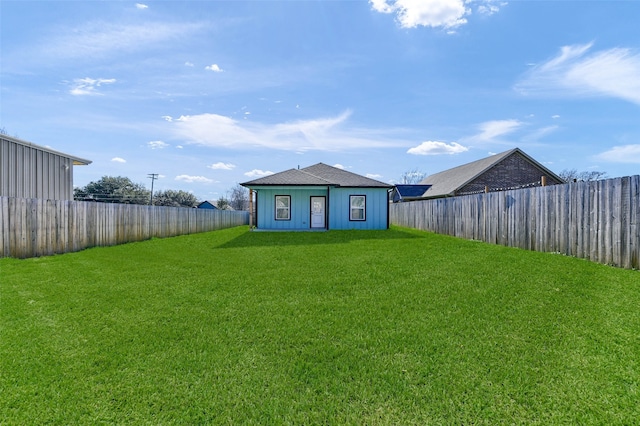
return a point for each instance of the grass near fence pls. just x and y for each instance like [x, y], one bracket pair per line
[381, 327]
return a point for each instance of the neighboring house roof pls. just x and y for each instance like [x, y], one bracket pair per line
[317, 175]
[207, 205]
[408, 192]
[449, 182]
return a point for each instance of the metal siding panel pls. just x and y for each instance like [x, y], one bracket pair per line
[4, 167]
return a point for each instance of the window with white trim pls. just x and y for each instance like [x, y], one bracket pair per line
[357, 207]
[283, 207]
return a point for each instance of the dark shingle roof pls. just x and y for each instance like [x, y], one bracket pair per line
[447, 182]
[317, 175]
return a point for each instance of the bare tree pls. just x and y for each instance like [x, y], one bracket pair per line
[412, 176]
[573, 175]
[239, 197]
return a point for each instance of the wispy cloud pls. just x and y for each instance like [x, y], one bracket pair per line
[141, 6]
[118, 160]
[490, 130]
[193, 179]
[622, 154]
[88, 86]
[321, 134]
[222, 166]
[157, 144]
[434, 13]
[100, 39]
[437, 148]
[579, 71]
[540, 133]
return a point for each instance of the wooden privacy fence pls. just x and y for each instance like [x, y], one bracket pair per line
[34, 227]
[599, 221]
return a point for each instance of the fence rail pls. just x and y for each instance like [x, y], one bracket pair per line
[599, 221]
[35, 227]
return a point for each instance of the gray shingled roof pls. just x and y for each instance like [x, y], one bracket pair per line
[317, 175]
[447, 182]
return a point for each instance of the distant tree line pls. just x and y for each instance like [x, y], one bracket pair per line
[118, 189]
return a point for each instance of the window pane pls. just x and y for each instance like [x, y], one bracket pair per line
[357, 201]
[283, 207]
[357, 214]
[282, 202]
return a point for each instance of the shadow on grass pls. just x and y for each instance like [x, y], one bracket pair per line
[270, 239]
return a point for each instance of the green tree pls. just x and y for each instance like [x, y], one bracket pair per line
[173, 198]
[110, 189]
[223, 203]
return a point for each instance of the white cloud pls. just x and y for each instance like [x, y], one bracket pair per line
[321, 134]
[118, 160]
[489, 130]
[373, 176]
[434, 13]
[622, 154]
[257, 173]
[189, 64]
[339, 166]
[437, 148]
[213, 67]
[87, 86]
[577, 71]
[157, 144]
[141, 6]
[193, 179]
[222, 166]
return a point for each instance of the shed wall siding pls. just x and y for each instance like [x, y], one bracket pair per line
[28, 172]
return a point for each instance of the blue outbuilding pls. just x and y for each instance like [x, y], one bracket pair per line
[319, 197]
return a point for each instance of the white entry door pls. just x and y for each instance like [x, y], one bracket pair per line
[317, 212]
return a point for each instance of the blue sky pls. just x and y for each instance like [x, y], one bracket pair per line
[208, 94]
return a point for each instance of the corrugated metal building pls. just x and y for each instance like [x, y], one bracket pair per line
[28, 170]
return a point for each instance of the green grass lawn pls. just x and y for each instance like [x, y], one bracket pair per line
[343, 327]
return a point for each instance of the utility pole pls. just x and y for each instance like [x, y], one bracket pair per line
[153, 177]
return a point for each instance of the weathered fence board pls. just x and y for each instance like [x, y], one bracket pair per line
[34, 227]
[599, 221]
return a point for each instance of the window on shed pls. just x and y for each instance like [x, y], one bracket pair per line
[357, 209]
[283, 207]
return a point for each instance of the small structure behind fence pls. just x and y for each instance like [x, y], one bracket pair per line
[35, 227]
[599, 221]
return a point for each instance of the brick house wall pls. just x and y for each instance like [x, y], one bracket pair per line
[513, 172]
